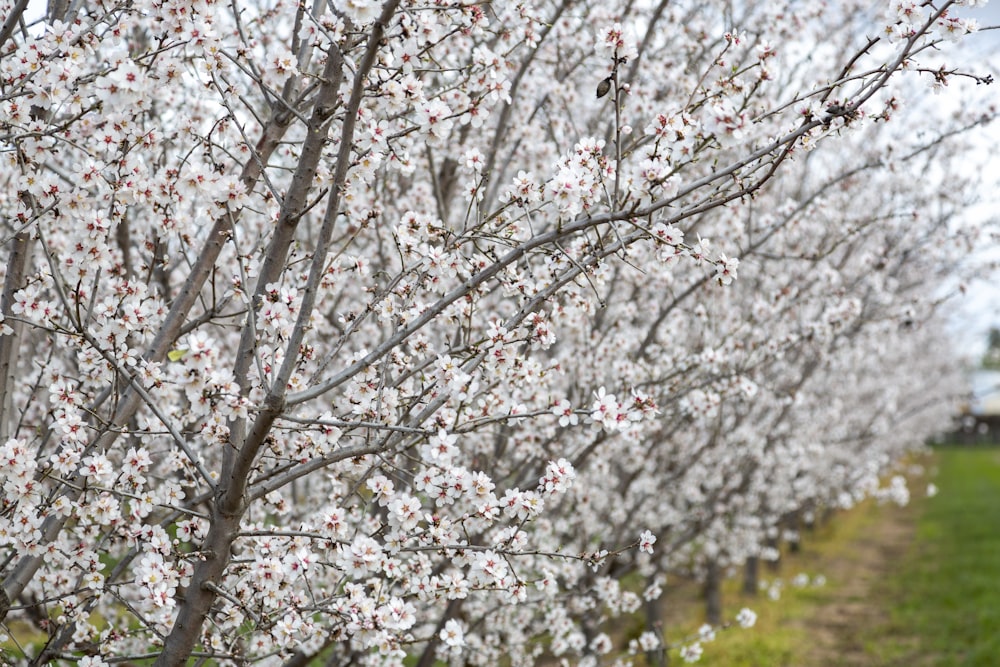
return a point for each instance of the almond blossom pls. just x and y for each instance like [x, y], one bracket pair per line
[367, 332]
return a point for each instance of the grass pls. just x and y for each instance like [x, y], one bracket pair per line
[945, 608]
[937, 604]
[784, 633]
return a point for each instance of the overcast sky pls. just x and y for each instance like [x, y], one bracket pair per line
[980, 309]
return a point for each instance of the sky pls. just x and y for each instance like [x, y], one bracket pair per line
[980, 308]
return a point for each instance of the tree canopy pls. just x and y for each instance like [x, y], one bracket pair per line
[448, 330]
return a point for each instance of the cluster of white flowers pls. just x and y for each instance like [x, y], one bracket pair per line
[370, 332]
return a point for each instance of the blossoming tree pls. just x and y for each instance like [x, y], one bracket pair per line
[360, 331]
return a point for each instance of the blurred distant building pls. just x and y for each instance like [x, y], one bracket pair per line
[980, 419]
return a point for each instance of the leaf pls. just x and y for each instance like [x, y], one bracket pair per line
[177, 355]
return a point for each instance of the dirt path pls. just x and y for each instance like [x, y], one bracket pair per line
[844, 628]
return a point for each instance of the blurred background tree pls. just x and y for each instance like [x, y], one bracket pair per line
[991, 358]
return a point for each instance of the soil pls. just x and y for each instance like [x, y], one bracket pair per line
[845, 629]
[849, 625]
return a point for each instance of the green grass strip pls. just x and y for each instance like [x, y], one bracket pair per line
[945, 597]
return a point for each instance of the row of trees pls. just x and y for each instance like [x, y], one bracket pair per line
[449, 329]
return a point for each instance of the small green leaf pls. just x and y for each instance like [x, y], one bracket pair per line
[177, 355]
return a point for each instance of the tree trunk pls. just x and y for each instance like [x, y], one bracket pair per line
[9, 345]
[795, 523]
[774, 565]
[654, 623]
[751, 576]
[713, 594]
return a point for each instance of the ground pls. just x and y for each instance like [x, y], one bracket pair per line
[841, 630]
[913, 586]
